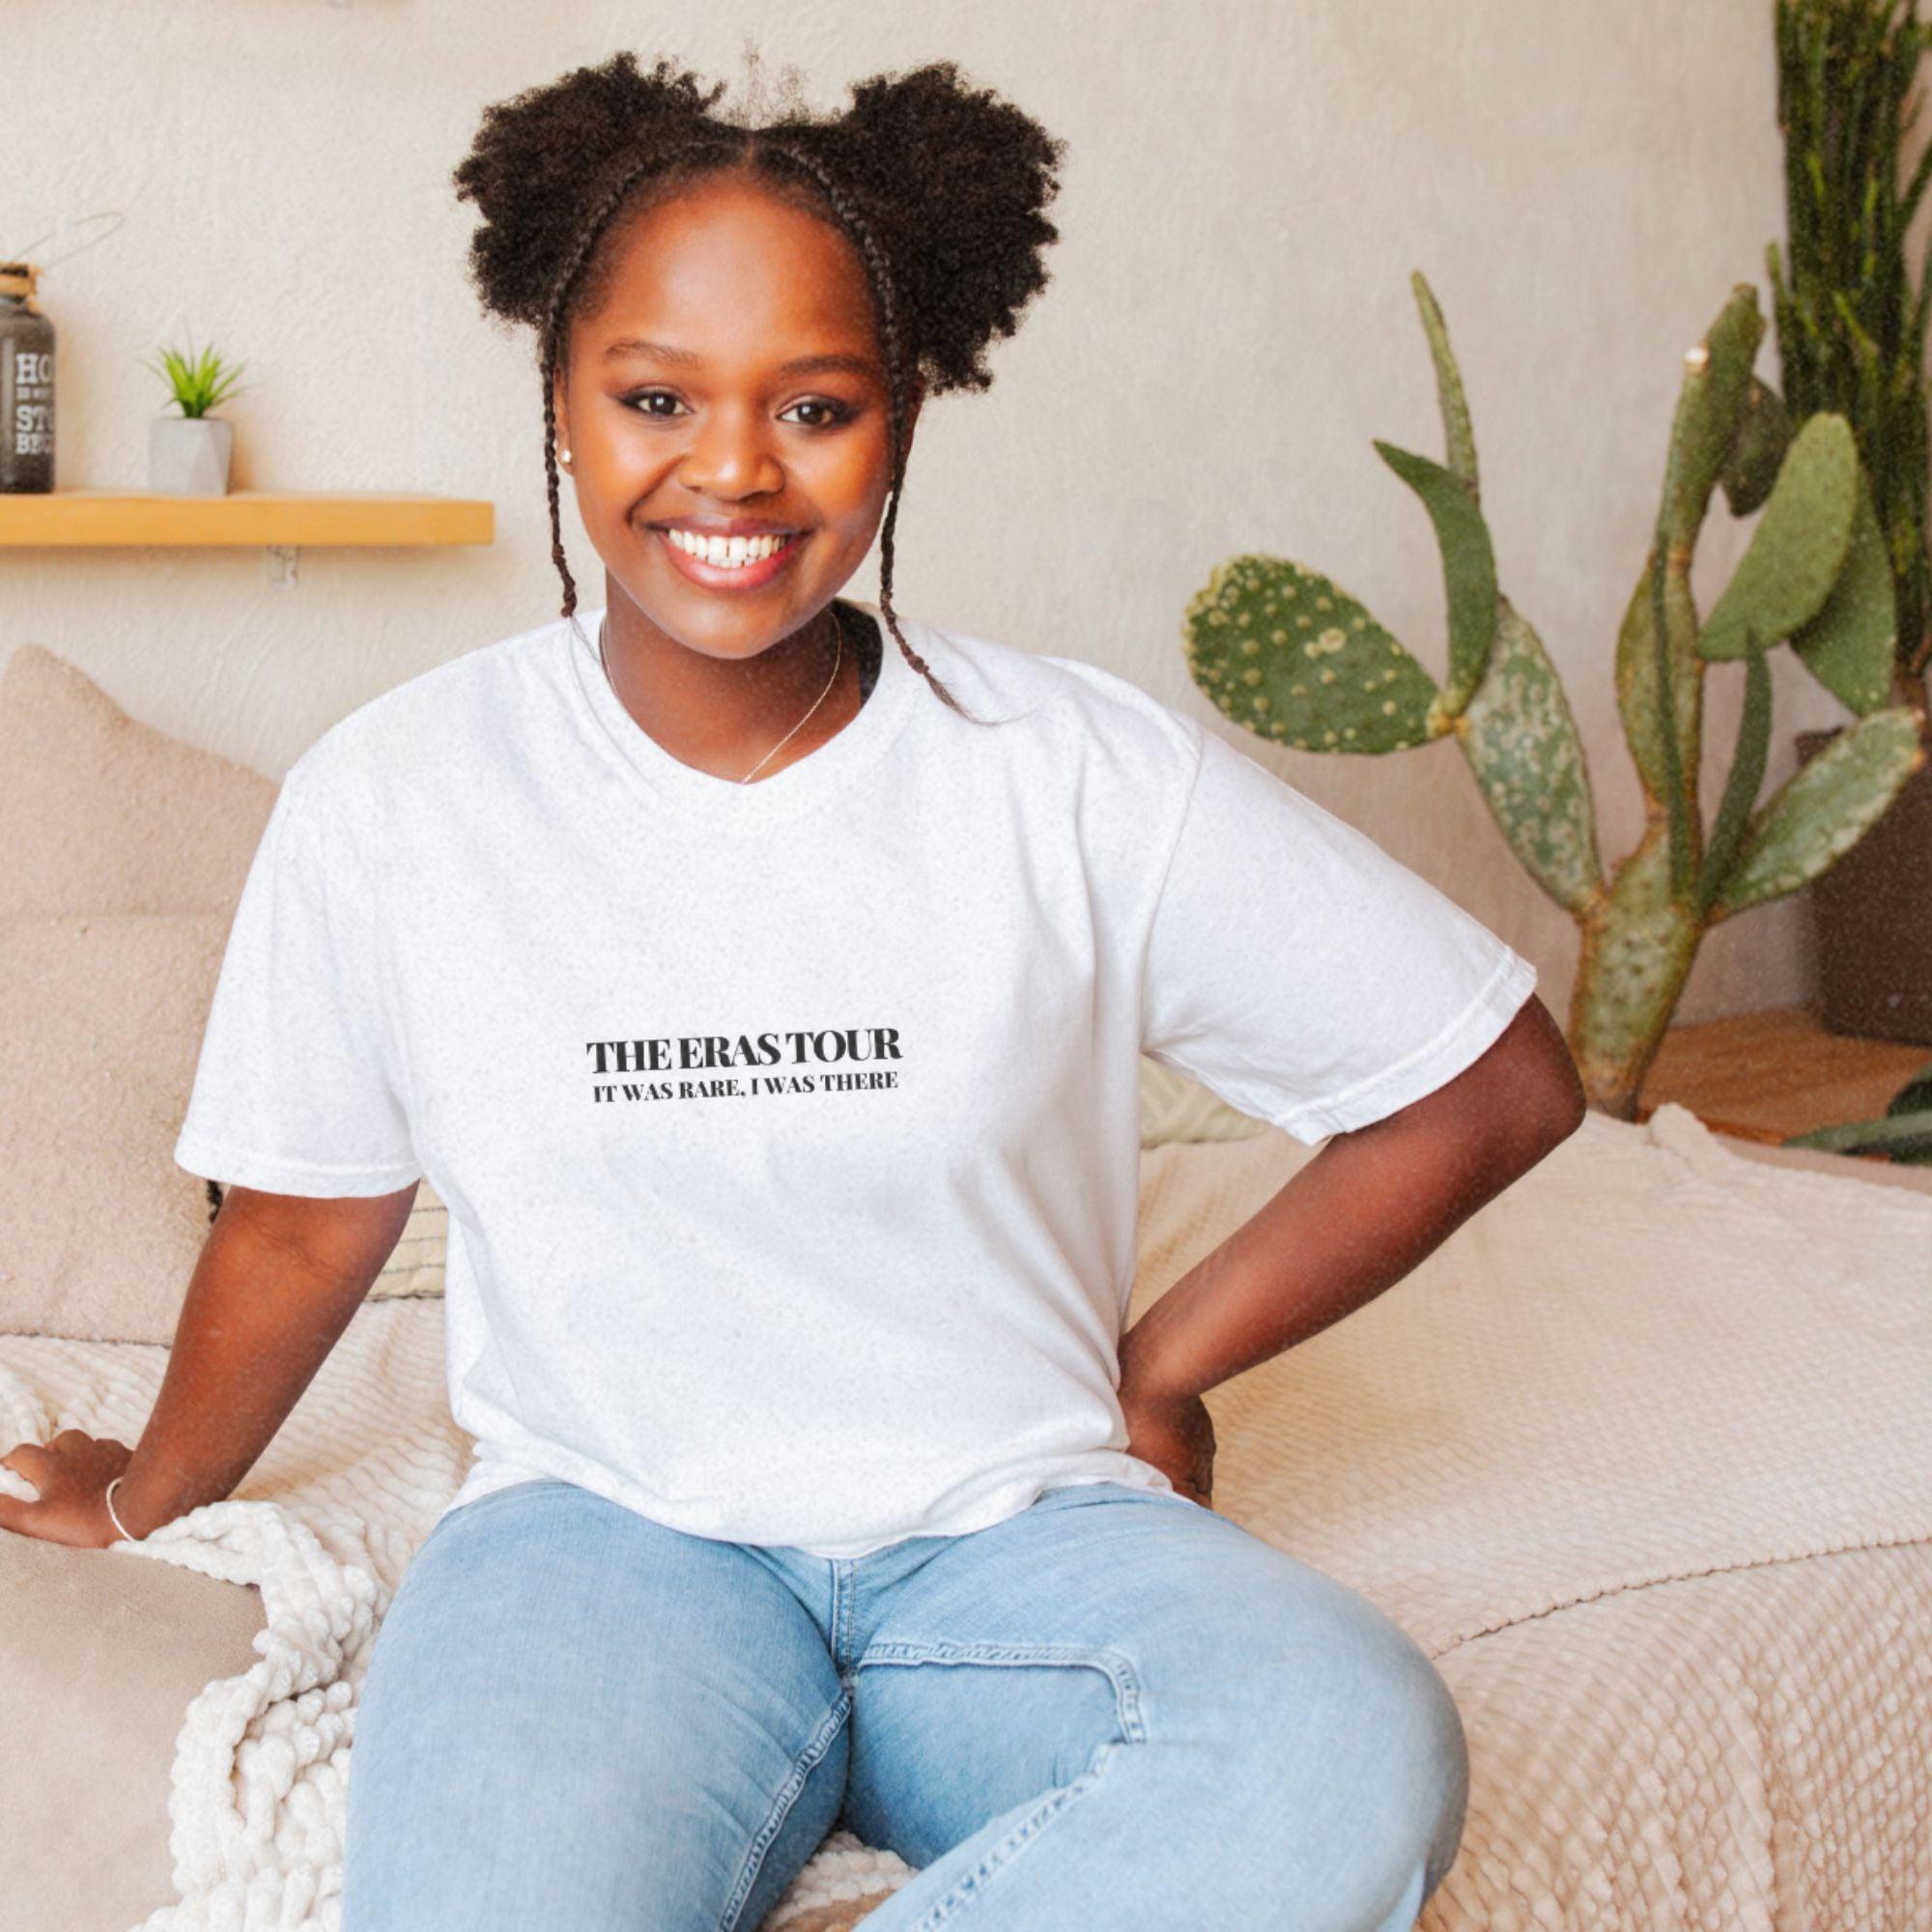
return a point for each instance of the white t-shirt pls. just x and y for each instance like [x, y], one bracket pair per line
[789, 1131]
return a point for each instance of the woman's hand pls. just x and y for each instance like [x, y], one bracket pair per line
[71, 1473]
[1175, 1433]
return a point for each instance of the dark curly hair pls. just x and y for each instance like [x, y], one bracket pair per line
[941, 187]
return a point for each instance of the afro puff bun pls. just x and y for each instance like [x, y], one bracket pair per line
[952, 180]
[536, 168]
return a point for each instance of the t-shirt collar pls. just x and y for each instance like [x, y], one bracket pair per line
[795, 787]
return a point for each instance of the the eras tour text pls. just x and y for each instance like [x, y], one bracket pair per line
[715, 1066]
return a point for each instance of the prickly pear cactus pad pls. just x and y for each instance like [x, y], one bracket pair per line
[1849, 645]
[1287, 653]
[1524, 746]
[1823, 809]
[1764, 435]
[1798, 548]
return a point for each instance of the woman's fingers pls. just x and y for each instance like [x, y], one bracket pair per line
[14, 1510]
[69, 1475]
[29, 1460]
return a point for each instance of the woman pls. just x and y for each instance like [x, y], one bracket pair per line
[765, 1000]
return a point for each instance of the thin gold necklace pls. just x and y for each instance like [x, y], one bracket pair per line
[838, 658]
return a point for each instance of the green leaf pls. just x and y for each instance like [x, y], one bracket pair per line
[1752, 466]
[1906, 1137]
[1526, 753]
[1684, 883]
[1745, 775]
[1288, 653]
[1847, 646]
[1468, 567]
[1458, 434]
[1823, 809]
[1798, 548]
[1643, 721]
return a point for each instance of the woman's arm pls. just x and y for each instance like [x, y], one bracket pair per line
[276, 1282]
[1353, 1222]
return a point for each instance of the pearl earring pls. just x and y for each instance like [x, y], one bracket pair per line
[563, 456]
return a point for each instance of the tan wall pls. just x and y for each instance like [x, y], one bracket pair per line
[1248, 189]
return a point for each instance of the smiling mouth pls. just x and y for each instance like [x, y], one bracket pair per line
[728, 552]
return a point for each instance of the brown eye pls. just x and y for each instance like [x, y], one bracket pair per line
[837, 415]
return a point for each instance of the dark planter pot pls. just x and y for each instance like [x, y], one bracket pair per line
[1871, 914]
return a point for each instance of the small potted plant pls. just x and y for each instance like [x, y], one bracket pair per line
[189, 455]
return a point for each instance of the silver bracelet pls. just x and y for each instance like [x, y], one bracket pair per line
[118, 1523]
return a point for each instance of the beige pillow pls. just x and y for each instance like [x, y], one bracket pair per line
[100, 1025]
[100, 813]
[105, 818]
[100, 1020]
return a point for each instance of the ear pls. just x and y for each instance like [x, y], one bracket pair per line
[562, 414]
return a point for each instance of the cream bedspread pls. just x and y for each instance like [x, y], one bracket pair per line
[1642, 1455]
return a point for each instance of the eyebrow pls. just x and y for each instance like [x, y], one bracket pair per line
[799, 365]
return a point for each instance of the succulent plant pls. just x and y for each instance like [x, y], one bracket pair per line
[1288, 654]
[198, 382]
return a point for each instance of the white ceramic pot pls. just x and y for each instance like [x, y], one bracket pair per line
[189, 456]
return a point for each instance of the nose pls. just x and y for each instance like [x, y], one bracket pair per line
[730, 455]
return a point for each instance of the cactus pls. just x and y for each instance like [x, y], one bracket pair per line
[1287, 654]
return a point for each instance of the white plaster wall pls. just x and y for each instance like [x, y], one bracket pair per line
[1249, 186]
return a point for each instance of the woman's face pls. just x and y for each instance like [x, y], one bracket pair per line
[730, 374]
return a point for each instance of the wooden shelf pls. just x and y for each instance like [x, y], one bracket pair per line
[1767, 1075]
[288, 519]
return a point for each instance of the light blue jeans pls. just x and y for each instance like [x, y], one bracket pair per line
[1116, 1709]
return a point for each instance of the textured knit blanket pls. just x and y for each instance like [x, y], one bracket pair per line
[1640, 1455]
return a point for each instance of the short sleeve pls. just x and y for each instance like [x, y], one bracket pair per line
[296, 1091]
[1301, 972]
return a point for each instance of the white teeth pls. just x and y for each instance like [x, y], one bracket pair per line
[727, 552]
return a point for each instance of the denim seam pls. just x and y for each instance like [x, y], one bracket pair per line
[972, 1885]
[1118, 1668]
[801, 1769]
[842, 1611]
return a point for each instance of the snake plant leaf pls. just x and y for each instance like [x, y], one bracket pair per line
[1747, 774]
[1848, 646]
[1823, 809]
[1458, 434]
[1468, 567]
[1798, 548]
[1524, 746]
[1764, 435]
[1284, 652]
